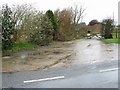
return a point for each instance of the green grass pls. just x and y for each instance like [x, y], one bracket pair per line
[114, 40]
[23, 45]
[114, 35]
[18, 46]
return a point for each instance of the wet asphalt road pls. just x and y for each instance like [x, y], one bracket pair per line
[78, 74]
[75, 76]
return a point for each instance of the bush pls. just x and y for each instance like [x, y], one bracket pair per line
[65, 29]
[107, 28]
[42, 35]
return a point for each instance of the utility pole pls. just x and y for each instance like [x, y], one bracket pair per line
[114, 25]
[119, 13]
[118, 19]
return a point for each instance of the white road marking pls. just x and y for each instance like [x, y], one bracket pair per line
[45, 79]
[107, 70]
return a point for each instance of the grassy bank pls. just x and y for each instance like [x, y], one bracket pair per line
[114, 40]
[18, 46]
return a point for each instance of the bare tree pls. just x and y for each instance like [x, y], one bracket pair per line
[20, 12]
[78, 14]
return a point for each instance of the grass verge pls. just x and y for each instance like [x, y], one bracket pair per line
[111, 40]
[18, 46]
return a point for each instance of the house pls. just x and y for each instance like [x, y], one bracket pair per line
[95, 29]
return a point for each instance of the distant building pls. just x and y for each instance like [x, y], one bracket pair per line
[96, 28]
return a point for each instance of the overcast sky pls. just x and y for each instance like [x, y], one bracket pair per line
[95, 9]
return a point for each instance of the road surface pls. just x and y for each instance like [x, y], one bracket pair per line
[93, 65]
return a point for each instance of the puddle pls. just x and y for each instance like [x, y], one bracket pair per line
[93, 51]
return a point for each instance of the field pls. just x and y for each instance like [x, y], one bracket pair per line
[116, 38]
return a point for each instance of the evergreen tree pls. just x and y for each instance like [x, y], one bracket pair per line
[7, 28]
[52, 19]
[108, 27]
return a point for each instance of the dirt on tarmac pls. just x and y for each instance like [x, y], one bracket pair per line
[39, 58]
[61, 54]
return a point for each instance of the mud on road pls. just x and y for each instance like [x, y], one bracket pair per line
[61, 54]
[39, 58]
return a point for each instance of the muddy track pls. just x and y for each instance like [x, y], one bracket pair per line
[38, 58]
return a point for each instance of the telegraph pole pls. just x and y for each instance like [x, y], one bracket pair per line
[118, 19]
[114, 25]
[119, 13]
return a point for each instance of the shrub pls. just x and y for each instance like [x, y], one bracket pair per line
[43, 34]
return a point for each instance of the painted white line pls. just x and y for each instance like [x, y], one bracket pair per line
[45, 79]
[107, 70]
